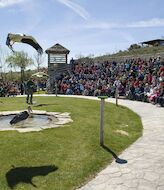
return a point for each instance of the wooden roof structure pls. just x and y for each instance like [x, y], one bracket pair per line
[57, 48]
[154, 42]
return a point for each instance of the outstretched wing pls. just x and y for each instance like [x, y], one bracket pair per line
[22, 38]
[31, 41]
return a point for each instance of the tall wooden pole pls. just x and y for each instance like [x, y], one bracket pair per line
[102, 119]
[102, 122]
[56, 90]
[116, 95]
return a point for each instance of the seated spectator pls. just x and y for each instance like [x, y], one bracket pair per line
[146, 92]
[160, 98]
[154, 92]
[131, 93]
[140, 94]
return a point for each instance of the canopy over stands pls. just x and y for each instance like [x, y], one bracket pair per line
[40, 75]
[156, 42]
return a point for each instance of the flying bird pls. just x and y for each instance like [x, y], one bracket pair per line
[22, 38]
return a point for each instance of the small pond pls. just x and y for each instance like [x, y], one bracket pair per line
[36, 122]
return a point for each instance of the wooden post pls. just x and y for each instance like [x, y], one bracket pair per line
[116, 95]
[102, 119]
[56, 90]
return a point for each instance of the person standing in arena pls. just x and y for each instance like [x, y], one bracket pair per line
[30, 87]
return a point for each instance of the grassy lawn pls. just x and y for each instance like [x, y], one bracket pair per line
[72, 152]
[40, 92]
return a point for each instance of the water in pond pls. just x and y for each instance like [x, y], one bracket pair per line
[36, 121]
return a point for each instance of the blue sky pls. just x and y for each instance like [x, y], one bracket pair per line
[83, 26]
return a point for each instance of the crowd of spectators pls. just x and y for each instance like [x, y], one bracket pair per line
[135, 79]
[10, 88]
[19, 88]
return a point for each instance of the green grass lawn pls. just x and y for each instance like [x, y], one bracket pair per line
[72, 151]
[40, 92]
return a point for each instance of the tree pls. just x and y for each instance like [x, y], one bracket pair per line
[39, 59]
[134, 46]
[19, 60]
[3, 55]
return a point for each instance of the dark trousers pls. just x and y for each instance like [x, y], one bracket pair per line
[29, 96]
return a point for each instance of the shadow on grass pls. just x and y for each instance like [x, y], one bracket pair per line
[40, 105]
[25, 174]
[117, 159]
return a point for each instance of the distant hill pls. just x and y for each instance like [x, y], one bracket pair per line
[143, 52]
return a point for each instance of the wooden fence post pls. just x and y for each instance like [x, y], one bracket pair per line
[102, 119]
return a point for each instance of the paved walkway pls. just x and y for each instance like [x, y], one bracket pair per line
[145, 167]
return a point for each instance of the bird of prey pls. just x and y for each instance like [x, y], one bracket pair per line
[22, 38]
